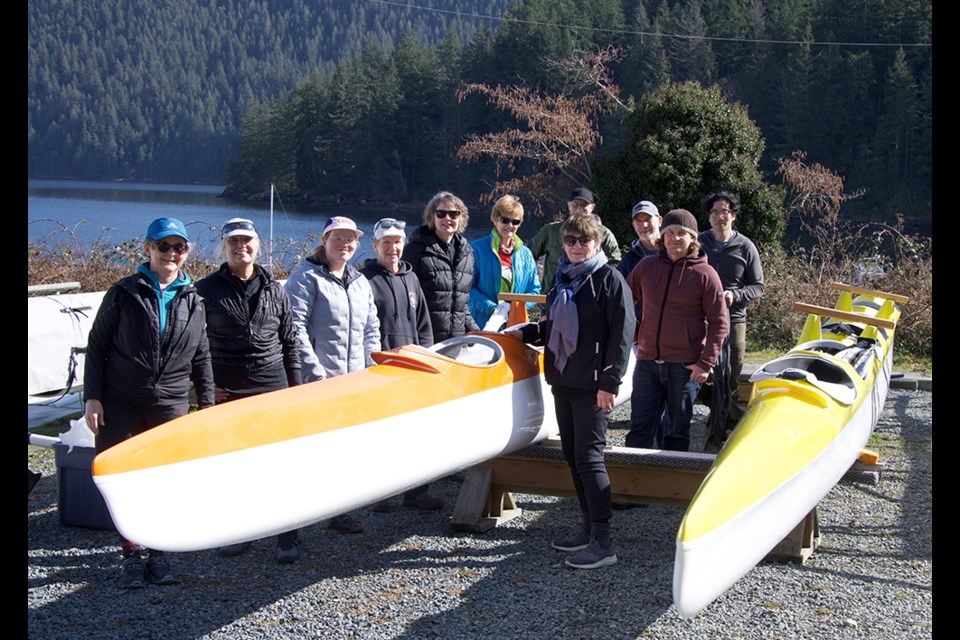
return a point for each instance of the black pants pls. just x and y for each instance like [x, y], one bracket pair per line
[583, 434]
[124, 419]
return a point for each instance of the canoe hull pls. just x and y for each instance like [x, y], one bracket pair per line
[811, 414]
[263, 465]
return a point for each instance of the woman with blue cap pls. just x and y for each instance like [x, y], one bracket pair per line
[147, 345]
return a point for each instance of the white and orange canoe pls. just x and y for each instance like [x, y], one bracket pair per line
[273, 462]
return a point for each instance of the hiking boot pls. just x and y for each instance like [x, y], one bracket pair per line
[423, 501]
[158, 570]
[345, 523]
[381, 506]
[577, 541]
[132, 573]
[288, 548]
[233, 550]
[592, 556]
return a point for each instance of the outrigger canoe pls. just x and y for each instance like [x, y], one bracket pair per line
[809, 416]
[267, 464]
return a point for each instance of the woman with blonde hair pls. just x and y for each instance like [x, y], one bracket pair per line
[502, 263]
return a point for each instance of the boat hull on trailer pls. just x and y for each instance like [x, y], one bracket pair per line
[277, 461]
[810, 415]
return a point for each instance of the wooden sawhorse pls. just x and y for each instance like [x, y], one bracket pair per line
[639, 476]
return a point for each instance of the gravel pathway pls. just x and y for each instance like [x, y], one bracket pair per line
[406, 576]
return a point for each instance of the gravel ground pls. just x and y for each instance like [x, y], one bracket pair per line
[407, 576]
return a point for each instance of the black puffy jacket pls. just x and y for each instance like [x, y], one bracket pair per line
[126, 357]
[243, 343]
[445, 284]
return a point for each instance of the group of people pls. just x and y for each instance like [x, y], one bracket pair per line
[239, 332]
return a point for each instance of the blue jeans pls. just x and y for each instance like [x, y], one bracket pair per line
[659, 387]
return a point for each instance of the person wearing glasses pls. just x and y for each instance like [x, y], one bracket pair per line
[146, 346]
[404, 319]
[253, 342]
[335, 316]
[587, 332]
[547, 242]
[737, 260]
[682, 325]
[443, 261]
[503, 263]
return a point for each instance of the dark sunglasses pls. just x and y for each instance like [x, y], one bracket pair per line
[571, 241]
[241, 225]
[388, 223]
[443, 213]
[179, 248]
[514, 221]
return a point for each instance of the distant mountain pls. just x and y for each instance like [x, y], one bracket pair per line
[157, 90]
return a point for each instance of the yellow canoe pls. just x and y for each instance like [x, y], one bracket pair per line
[810, 414]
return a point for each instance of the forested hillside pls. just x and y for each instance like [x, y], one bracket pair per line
[158, 90]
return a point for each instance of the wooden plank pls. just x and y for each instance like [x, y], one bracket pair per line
[522, 297]
[839, 286]
[828, 312]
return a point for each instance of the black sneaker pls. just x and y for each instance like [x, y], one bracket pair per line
[288, 550]
[423, 502]
[158, 570]
[132, 573]
[574, 542]
[592, 556]
[345, 524]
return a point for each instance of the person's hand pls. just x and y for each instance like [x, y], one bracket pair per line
[728, 297]
[93, 415]
[698, 374]
[220, 395]
[605, 400]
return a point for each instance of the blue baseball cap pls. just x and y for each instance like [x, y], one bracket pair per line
[163, 227]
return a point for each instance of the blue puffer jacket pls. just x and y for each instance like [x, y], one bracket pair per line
[486, 276]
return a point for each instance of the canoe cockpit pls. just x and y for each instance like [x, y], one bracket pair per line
[829, 365]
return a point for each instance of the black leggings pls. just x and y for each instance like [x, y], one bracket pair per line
[583, 435]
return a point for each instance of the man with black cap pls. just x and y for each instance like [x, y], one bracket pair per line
[548, 243]
[681, 330]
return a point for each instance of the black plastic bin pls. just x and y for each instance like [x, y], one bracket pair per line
[79, 502]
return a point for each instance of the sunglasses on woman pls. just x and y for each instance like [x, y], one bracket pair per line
[514, 221]
[390, 223]
[178, 248]
[571, 241]
[443, 213]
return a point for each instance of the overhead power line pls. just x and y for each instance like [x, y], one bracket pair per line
[678, 36]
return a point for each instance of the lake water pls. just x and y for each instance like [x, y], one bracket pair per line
[64, 211]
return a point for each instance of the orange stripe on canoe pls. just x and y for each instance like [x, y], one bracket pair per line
[410, 378]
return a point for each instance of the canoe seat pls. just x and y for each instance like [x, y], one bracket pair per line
[817, 370]
[475, 350]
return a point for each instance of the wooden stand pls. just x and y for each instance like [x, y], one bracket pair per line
[639, 476]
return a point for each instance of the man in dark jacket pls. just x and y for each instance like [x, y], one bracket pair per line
[547, 242]
[681, 329]
[442, 260]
